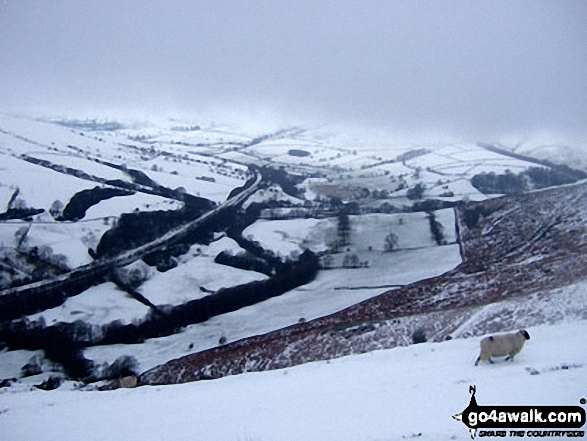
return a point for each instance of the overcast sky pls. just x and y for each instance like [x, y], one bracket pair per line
[475, 67]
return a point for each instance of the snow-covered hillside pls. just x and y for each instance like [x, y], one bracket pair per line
[549, 147]
[402, 393]
[499, 263]
[543, 256]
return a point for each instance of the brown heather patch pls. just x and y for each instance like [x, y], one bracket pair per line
[522, 245]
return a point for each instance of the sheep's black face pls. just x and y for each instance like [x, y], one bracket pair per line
[526, 335]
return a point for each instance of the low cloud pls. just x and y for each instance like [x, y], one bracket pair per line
[479, 69]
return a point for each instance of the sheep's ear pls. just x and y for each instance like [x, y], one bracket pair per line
[525, 333]
[491, 337]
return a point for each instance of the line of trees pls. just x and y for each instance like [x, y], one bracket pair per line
[64, 342]
[436, 229]
[532, 178]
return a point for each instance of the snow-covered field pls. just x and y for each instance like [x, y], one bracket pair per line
[367, 232]
[402, 393]
[273, 193]
[39, 187]
[97, 305]
[331, 292]
[548, 146]
[197, 274]
[72, 239]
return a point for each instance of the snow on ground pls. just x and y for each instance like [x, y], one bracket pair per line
[8, 232]
[23, 135]
[402, 393]
[72, 239]
[307, 186]
[39, 186]
[572, 155]
[550, 307]
[41, 139]
[197, 270]
[395, 168]
[218, 179]
[462, 189]
[5, 194]
[368, 232]
[239, 157]
[548, 146]
[13, 361]
[195, 166]
[97, 305]
[332, 291]
[467, 159]
[215, 191]
[411, 229]
[163, 133]
[285, 237]
[273, 193]
[127, 204]
[386, 270]
[78, 162]
[221, 243]
[279, 152]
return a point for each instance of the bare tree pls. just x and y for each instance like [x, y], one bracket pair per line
[56, 209]
[327, 261]
[21, 235]
[351, 261]
[344, 230]
[391, 242]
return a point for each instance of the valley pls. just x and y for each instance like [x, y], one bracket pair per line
[149, 242]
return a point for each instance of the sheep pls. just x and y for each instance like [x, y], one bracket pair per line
[129, 381]
[505, 345]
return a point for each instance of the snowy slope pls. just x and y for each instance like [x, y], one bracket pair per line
[370, 396]
[504, 257]
[39, 187]
[97, 305]
[332, 291]
[402, 393]
[548, 146]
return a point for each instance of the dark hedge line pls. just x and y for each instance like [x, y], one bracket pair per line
[140, 178]
[83, 200]
[432, 205]
[286, 181]
[135, 229]
[18, 304]
[245, 261]
[20, 213]
[532, 178]
[224, 301]
[436, 229]
[64, 342]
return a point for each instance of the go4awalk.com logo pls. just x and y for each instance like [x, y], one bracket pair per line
[522, 421]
